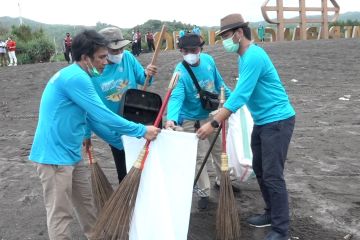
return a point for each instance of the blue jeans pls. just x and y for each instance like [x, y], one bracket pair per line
[269, 144]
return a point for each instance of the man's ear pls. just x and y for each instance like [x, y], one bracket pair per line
[85, 57]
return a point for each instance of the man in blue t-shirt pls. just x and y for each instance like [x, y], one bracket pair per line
[260, 88]
[123, 72]
[68, 103]
[185, 109]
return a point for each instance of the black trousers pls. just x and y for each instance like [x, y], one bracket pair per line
[119, 158]
[269, 144]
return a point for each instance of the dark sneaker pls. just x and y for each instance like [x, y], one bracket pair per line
[235, 189]
[260, 220]
[272, 235]
[203, 202]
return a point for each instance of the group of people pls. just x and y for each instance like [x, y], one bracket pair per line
[84, 97]
[136, 47]
[9, 47]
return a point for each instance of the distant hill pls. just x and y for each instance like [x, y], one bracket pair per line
[57, 31]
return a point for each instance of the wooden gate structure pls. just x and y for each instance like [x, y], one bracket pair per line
[280, 21]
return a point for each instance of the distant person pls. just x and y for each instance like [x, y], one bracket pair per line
[3, 61]
[138, 38]
[123, 72]
[260, 88]
[68, 103]
[185, 108]
[150, 41]
[261, 32]
[67, 48]
[134, 45]
[11, 48]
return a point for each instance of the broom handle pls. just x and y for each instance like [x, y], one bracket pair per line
[89, 156]
[207, 155]
[223, 136]
[171, 86]
[222, 126]
[156, 53]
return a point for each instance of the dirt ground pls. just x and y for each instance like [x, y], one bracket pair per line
[322, 170]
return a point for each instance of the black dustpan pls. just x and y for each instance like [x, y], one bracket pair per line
[140, 106]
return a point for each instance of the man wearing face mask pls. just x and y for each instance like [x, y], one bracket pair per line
[123, 72]
[185, 109]
[68, 103]
[260, 88]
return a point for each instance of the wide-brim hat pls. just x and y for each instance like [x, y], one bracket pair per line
[115, 37]
[190, 40]
[231, 22]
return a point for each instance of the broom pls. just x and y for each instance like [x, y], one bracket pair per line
[156, 52]
[115, 218]
[100, 185]
[227, 221]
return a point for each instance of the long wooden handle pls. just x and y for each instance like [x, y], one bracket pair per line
[156, 53]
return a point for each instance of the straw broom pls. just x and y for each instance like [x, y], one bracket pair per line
[115, 219]
[100, 185]
[227, 221]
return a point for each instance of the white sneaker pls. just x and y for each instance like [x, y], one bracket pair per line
[15, 64]
[10, 64]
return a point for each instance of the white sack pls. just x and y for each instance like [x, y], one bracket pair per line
[163, 205]
[238, 144]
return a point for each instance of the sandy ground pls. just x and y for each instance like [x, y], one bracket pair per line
[322, 170]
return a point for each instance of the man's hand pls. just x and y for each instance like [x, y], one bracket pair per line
[170, 124]
[87, 144]
[204, 131]
[151, 132]
[151, 70]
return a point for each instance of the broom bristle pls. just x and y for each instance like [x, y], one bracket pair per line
[101, 186]
[115, 218]
[227, 221]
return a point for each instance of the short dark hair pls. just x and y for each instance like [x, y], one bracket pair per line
[247, 32]
[87, 42]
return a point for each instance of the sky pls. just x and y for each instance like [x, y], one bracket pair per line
[129, 13]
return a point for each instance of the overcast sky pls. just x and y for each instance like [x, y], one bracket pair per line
[129, 13]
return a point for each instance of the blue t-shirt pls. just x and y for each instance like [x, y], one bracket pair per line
[184, 103]
[67, 103]
[117, 78]
[260, 88]
[113, 83]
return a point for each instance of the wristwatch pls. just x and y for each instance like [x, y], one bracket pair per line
[214, 124]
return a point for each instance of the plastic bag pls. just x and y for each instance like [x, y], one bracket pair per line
[238, 144]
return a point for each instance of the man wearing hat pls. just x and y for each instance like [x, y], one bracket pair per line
[260, 88]
[185, 109]
[123, 72]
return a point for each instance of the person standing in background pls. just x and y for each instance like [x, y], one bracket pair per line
[11, 47]
[67, 48]
[3, 61]
[138, 38]
[150, 41]
[261, 32]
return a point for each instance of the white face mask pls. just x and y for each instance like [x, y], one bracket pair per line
[192, 58]
[115, 58]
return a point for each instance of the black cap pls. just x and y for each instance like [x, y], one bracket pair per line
[190, 40]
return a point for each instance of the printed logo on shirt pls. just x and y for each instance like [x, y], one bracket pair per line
[115, 89]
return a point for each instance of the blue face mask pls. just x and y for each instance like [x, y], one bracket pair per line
[230, 46]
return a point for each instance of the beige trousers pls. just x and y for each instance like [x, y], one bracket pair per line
[67, 188]
[203, 146]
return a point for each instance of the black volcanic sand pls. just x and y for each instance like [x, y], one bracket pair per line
[322, 170]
